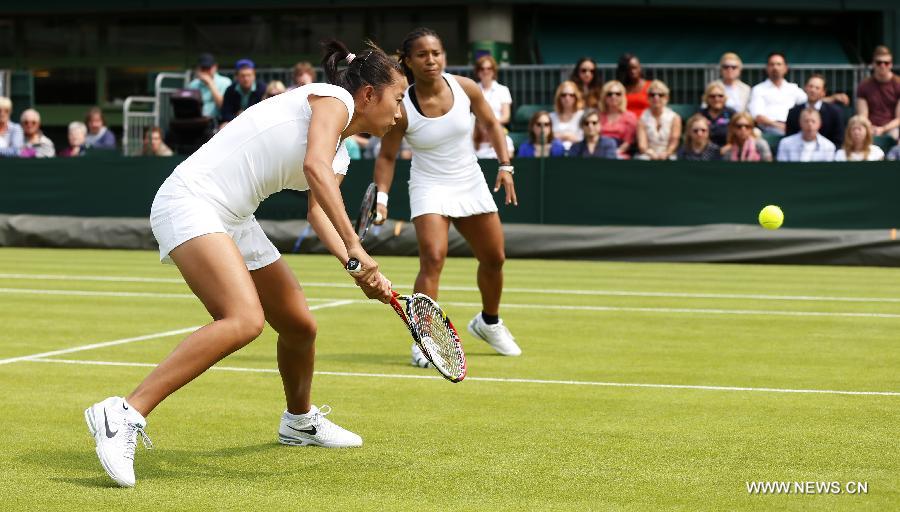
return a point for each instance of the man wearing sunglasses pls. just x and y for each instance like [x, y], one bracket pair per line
[878, 97]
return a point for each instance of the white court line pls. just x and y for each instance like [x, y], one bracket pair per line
[123, 341]
[538, 291]
[100, 293]
[508, 305]
[498, 379]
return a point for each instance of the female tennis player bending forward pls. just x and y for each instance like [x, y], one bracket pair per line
[203, 219]
[446, 184]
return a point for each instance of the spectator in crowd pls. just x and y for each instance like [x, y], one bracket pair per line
[586, 77]
[771, 99]
[832, 125]
[737, 92]
[211, 85]
[717, 112]
[154, 145]
[659, 127]
[36, 143]
[628, 71]
[483, 147]
[808, 145]
[98, 135]
[541, 142]
[244, 92]
[697, 145]
[567, 112]
[594, 145]
[77, 137]
[615, 120]
[353, 149]
[742, 145]
[303, 74]
[894, 153]
[497, 96]
[12, 139]
[274, 88]
[858, 145]
[878, 96]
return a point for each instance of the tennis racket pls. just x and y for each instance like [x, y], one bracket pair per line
[366, 212]
[431, 330]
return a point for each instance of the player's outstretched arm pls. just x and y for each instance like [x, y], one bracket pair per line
[486, 117]
[385, 163]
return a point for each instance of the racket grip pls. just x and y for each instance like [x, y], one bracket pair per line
[353, 266]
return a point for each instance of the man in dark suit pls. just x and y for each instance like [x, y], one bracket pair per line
[832, 117]
[245, 91]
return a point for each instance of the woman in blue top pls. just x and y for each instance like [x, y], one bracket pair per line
[540, 124]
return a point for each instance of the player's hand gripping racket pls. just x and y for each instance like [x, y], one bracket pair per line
[431, 329]
[366, 212]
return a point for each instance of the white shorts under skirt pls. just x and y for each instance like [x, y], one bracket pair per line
[177, 215]
[457, 198]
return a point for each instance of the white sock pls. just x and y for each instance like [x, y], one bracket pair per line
[312, 410]
[132, 414]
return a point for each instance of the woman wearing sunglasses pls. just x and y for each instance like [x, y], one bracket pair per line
[615, 119]
[567, 113]
[659, 128]
[737, 93]
[497, 96]
[541, 140]
[717, 112]
[697, 146]
[587, 77]
[743, 145]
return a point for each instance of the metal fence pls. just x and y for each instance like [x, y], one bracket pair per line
[138, 116]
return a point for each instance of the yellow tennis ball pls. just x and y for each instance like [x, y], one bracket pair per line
[771, 217]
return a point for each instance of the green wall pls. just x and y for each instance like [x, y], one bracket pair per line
[564, 191]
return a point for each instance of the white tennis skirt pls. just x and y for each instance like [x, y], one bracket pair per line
[451, 198]
[177, 215]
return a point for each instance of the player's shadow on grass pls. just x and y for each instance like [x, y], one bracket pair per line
[158, 464]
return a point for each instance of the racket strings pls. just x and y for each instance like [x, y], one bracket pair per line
[436, 337]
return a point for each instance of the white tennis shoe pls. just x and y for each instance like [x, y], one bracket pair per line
[313, 428]
[115, 427]
[418, 358]
[496, 335]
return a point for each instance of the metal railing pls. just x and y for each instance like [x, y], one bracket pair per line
[138, 115]
[5, 78]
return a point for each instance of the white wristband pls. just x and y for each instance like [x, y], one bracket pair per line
[381, 198]
[507, 168]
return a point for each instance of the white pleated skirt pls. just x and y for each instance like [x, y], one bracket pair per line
[459, 197]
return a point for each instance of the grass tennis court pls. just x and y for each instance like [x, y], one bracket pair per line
[654, 386]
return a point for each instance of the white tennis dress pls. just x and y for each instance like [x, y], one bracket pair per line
[445, 177]
[217, 189]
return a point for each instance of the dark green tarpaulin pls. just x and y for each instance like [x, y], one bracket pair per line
[565, 191]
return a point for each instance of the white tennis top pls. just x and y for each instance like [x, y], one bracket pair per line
[442, 146]
[261, 152]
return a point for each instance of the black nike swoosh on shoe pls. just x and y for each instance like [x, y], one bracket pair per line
[309, 431]
[109, 433]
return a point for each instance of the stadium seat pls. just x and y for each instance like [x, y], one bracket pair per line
[518, 138]
[524, 113]
[885, 142]
[685, 110]
[189, 129]
[773, 141]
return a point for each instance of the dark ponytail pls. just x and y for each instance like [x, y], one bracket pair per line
[371, 66]
[406, 48]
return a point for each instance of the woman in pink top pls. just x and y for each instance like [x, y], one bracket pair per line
[628, 71]
[615, 120]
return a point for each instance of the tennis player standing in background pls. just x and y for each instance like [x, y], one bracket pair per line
[203, 219]
[446, 183]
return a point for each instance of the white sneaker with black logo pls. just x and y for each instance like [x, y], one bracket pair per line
[313, 428]
[496, 335]
[115, 427]
[418, 358]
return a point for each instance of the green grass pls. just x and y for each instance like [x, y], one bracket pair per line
[480, 444]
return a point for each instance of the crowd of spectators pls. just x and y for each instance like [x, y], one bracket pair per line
[625, 118]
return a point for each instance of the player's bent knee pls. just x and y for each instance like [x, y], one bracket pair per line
[246, 326]
[298, 327]
[432, 261]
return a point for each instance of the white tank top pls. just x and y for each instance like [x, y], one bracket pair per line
[261, 152]
[442, 146]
